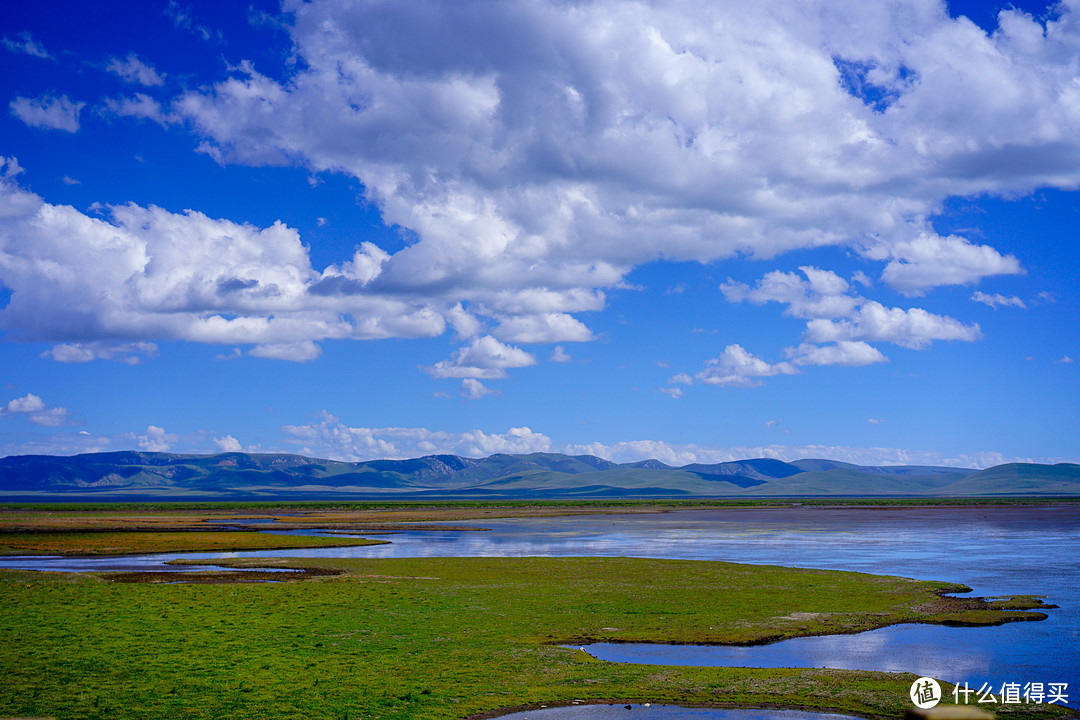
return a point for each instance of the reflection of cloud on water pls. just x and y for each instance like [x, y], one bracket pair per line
[931, 650]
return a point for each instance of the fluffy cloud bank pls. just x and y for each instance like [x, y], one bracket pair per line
[540, 149]
[98, 284]
[836, 314]
[608, 133]
[330, 438]
[839, 324]
[154, 439]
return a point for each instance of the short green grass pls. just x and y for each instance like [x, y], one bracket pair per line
[436, 638]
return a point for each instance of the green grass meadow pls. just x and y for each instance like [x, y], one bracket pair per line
[438, 638]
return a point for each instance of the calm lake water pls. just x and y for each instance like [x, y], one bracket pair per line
[994, 550]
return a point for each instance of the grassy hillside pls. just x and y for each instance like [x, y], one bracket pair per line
[1014, 478]
[845, 481]
[242, 476]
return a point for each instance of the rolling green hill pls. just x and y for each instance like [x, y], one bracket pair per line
[244, 476]
[1014, 478]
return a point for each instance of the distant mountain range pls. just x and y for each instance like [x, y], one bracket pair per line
[243, 476]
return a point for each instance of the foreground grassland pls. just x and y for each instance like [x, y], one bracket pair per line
[440, 638]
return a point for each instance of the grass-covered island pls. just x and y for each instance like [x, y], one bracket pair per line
[442, 638]
[134, 543]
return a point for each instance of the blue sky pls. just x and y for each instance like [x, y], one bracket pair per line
[683, 230]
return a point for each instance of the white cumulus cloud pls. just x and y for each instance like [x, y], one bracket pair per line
[155, 439]
[486, 358]
[28, 45]
[140, 106]
[330, 438]
[56, 113]
[130, 353]
[684, 454]
[822, 293]
[929, 261]
[543, 328]
[845, 352]
[533, 175]
[735, 367]
[145, 272]
[227, 443]
[997, 300]
[912, 328]
[133, 70]
[300, 351]
[846, 321]
[34, 409]
[615, 133]
[473, 389]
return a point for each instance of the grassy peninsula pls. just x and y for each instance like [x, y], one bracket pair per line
[135, 543]
[442, 638]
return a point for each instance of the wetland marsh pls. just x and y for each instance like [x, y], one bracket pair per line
[444, 637]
